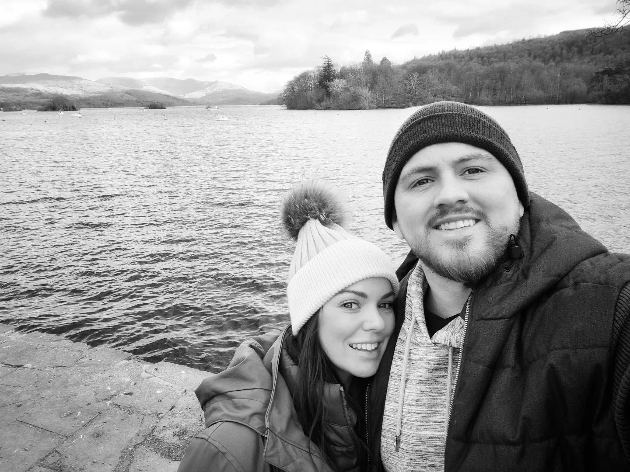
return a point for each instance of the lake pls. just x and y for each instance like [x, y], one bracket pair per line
[158, 231]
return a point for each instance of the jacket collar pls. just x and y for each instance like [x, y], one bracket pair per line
[287, 447]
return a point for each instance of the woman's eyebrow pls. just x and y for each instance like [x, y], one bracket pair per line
[390, 294]
[354, 292]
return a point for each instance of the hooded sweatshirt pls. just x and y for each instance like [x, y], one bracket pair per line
[544, 375]
[251, 424]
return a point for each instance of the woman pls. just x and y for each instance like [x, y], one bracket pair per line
[296, 402]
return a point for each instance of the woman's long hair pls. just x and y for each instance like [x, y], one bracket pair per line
[314, 371]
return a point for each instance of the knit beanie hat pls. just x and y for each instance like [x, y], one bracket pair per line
[327, 258]
[444, 122]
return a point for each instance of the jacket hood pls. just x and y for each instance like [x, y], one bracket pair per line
[545, 228]
[239, 391]
[552, 244]
[256, 390]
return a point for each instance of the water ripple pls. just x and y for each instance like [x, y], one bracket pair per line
[160, 233]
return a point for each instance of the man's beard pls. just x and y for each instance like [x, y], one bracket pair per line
[459, 262]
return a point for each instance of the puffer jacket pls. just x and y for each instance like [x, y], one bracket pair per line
[544, 381]
[251, 424]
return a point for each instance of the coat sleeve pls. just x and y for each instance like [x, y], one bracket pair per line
[621, 356]
[224, 447]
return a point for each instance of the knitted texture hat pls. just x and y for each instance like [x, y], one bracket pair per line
[327, 258]
[444, 122]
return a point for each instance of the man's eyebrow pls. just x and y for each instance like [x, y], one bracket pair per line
[421, 169]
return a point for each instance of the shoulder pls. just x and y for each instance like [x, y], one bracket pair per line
[224, 446]
[603, 269]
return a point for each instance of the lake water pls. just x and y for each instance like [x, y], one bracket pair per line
[158, 231]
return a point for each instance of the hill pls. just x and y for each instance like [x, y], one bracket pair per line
[32, 91]
[570, 67]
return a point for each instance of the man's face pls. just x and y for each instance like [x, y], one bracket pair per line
[456, 206]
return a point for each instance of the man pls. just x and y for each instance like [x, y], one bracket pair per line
[512, 346]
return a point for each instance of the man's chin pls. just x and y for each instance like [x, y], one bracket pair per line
[467, 266]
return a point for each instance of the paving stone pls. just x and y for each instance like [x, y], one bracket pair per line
[175, 429]
[126, 385]
[22, 446]
[146, 460]
[63, 384]
[59, 417]
[26, 376]
[18, 353]
[99, 446]
[39, 337]
[176, 374]
[5, 328]
[134, 415]
[10, 395]
[103, 356]
[4, 370]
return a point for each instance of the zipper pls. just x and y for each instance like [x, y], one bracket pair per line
[344, 405]
[461, 358]
[367, 431]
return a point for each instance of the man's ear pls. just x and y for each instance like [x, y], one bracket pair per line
[397, 230]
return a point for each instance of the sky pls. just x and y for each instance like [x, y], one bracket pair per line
[262, 44]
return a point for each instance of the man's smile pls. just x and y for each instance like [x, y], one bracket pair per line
[457, 224]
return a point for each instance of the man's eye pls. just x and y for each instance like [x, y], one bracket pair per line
[473, 170]
[421, 182]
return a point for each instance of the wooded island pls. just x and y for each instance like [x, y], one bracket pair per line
[571, 67]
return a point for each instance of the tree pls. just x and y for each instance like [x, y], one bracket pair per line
[299, 93]
[327, 75]
[59, 103]
[623, 19]
[384, 83]
[369, 70]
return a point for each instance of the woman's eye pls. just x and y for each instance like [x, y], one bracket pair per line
[350, 305]
[386, 305]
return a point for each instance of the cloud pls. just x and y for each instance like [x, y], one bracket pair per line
[348, 19]
[246, 41]
[518, 19]
[209, 58]
[406, 30]
[261, 49]
[130, 12]
[78, 8]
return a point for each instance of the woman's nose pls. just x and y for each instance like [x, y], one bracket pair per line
[374, 319]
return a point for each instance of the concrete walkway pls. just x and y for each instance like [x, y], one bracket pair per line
[67, 407]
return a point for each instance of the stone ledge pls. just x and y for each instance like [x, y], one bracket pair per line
[66, 406]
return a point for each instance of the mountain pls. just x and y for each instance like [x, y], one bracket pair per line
[33, 91]
[199, 92]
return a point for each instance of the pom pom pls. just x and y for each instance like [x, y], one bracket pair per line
[311, 200]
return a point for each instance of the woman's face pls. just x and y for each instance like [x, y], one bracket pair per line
[355, 325]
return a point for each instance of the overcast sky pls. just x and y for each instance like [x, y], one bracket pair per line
[262, 44]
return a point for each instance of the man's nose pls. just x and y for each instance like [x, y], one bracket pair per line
[451, 190]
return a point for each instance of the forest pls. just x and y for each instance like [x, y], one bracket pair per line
[571, 67]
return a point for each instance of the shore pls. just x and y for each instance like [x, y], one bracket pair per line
[65, 406]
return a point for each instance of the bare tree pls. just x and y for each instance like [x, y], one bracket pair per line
[623, 19]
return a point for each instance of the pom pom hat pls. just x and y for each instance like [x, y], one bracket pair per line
[327, 258]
